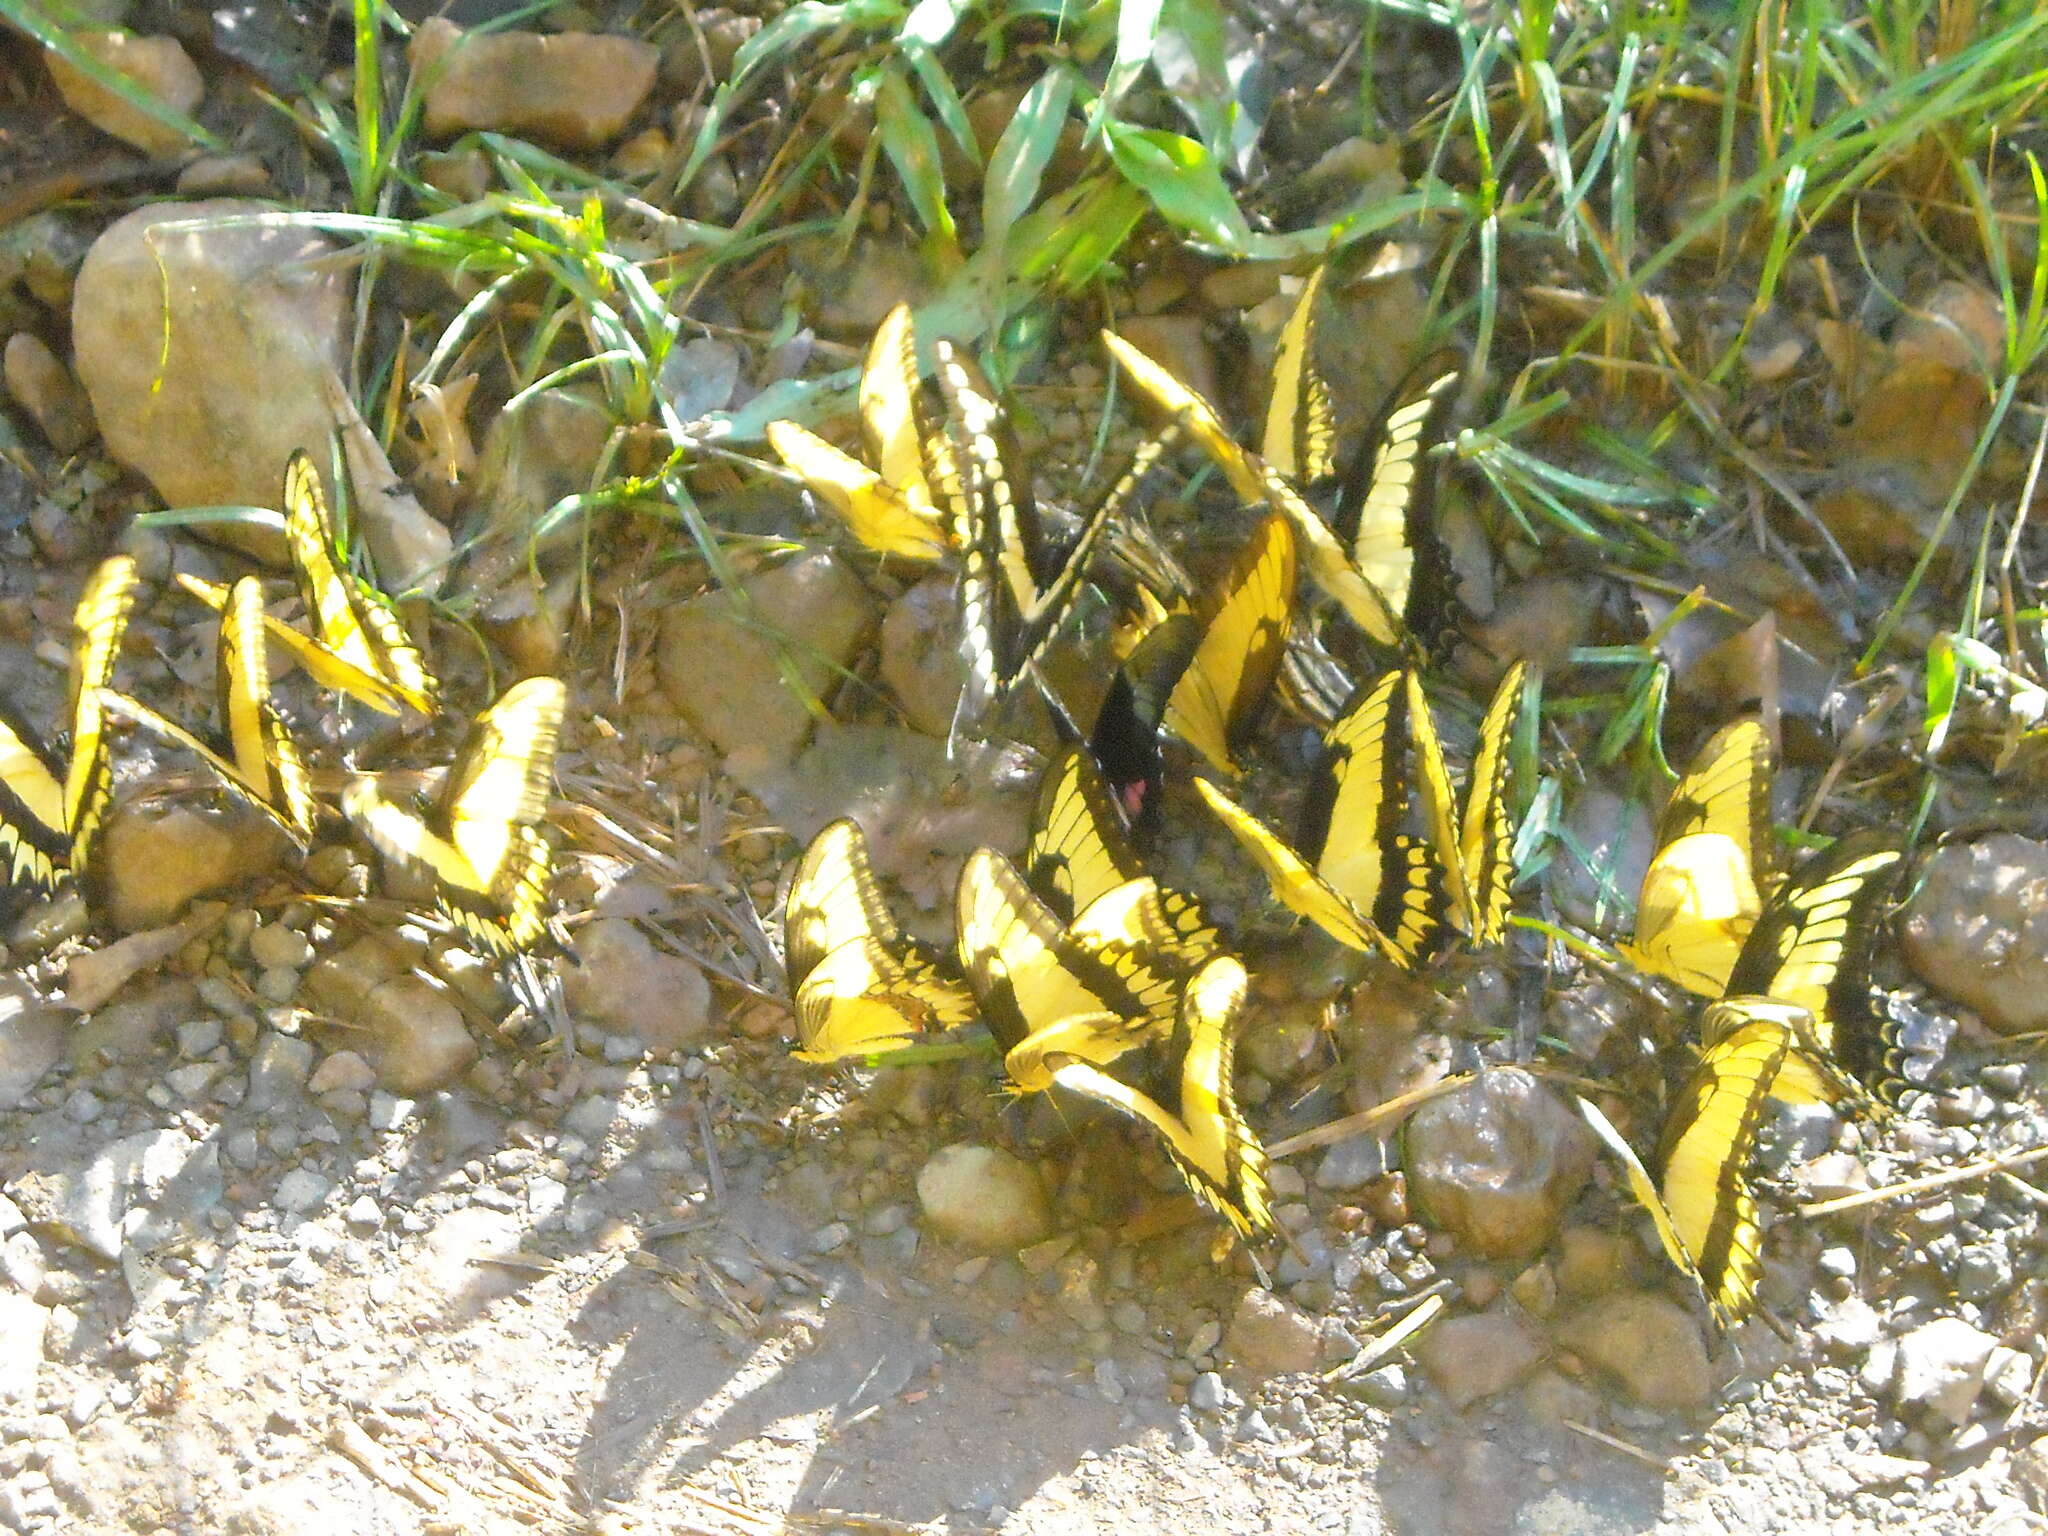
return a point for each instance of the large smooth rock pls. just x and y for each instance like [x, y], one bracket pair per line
[158, 65]
[1269, 1336]
[573, 90]
[627, 985]
[1941, 1368]
[211, 353]
[1976, 929]
[156, 856]
[982, 1197]
[722, 672]
[1497, 1162]
[414, 1035]
[1646, 1342]
[1475, 1356]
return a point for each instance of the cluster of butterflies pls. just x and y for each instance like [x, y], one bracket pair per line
[1092, 976]
[478, 840]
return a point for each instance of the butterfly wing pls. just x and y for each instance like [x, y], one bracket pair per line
[1215, 1151]
[1294, 883]
[319, 663]
[352, 619]
[1124, 739]
[1244, 622]
[1704, 1166]
[861, 985]
[1078, 849]
[1707, 1144]
[1301, 427]
[500, 778]
[258, 739]
[1644, 1188]
[1812, 945]
[876, 512]
[1702, 890]
[889, 389]
[1486, 837]
[1351, 822]
[1385, 519]
[98, 624]
[251, 792]
[1190, 413]
[34, 845]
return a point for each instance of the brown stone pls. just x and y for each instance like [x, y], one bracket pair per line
[572, 90]
[157, 65]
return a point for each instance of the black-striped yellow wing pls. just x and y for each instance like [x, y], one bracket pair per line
[1016, 589]
[1708, 1139]
[319, 663]
[1028, 972]
[861, 985]
[1294, 882]
[1486, 834]
[1385, 518]
[1812, 945]
[261, 745]
[1301, 427]
[1352, 831]
[1244, 621]
[35, 848]
[889, 388]
[885, 501]
[874, 511]
[350, 618]
[1197, 1119]
[480, 840]
[1187, 411]
[1704, 885]
[253, 793]
[1644, 1187]
[1477, 847]
[1079, 852]
[98, 624]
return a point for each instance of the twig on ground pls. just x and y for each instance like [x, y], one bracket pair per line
[1921, 1186]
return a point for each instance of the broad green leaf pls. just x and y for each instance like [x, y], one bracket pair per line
[945, 97]
[1018, 162]
[1071, 235]
[1183, 182]
[913, 148]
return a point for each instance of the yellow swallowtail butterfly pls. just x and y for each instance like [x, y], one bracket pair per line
[1811, 947]
[1707, 879]
[350, 618]
[1477, 849]
[1243, 621]
[861, 985]
[479, 840]
[50, 813]
[1352, 870]
[1760, 1049]
[1193, 1108]
[889, 506]
[262, 765]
